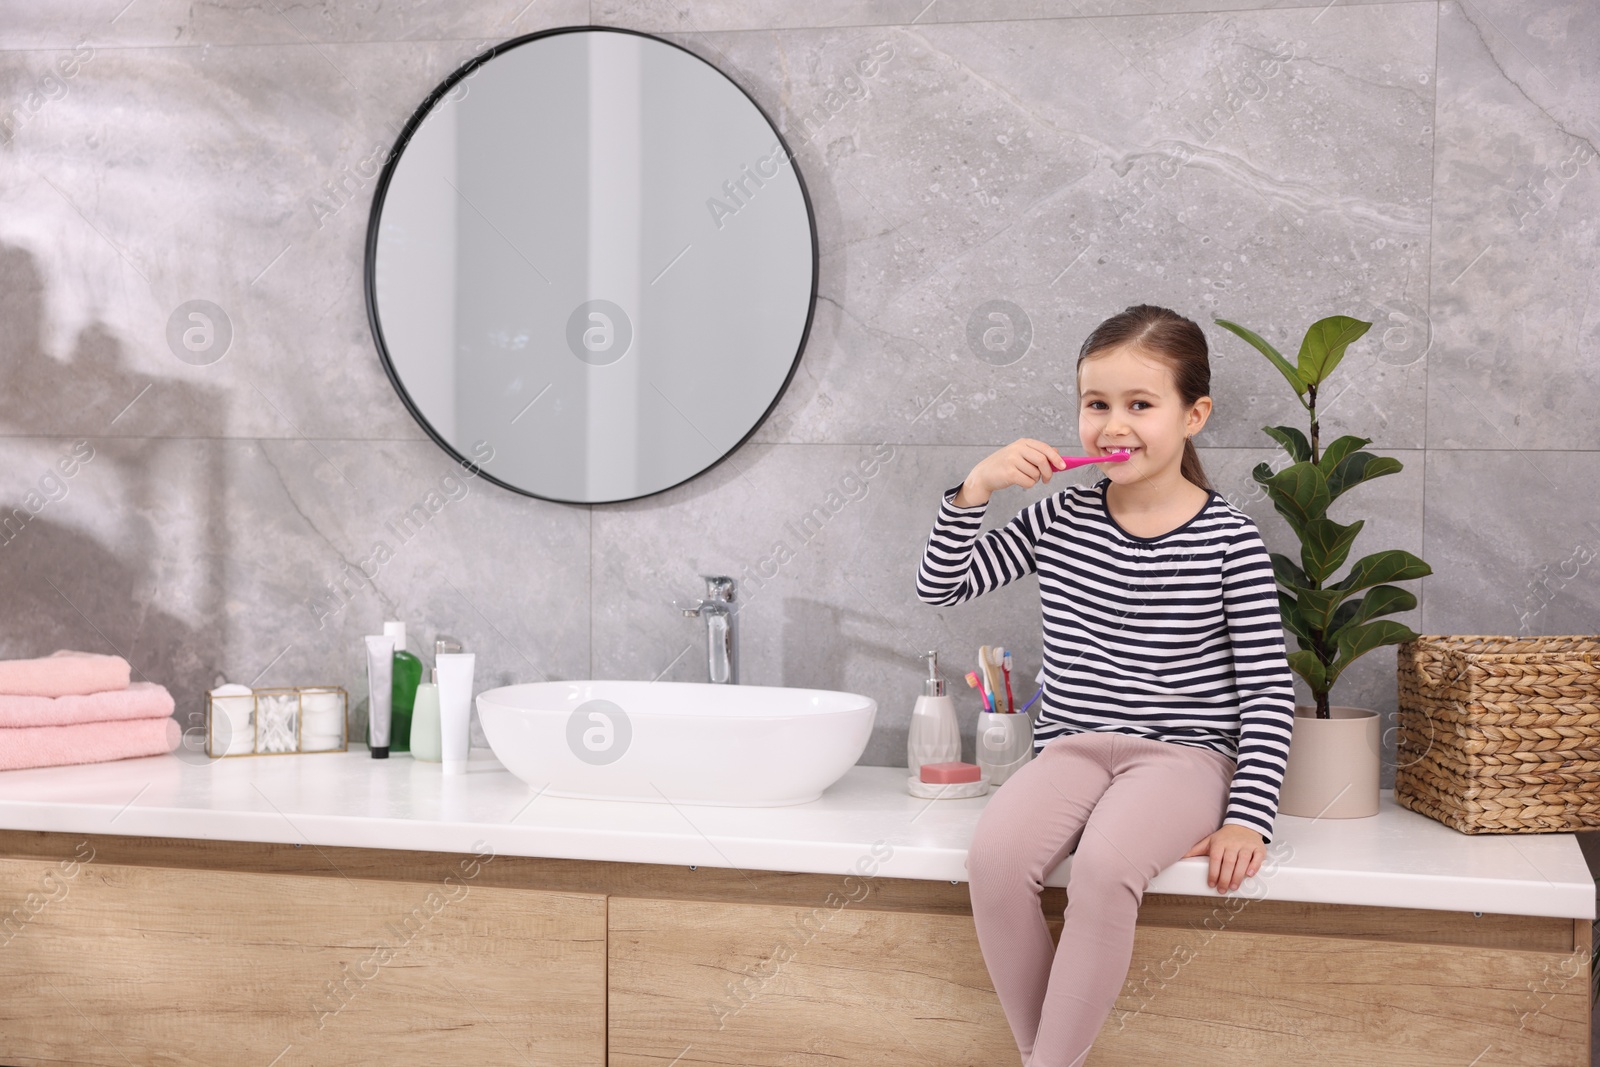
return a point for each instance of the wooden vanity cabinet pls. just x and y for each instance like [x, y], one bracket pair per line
[126, 950]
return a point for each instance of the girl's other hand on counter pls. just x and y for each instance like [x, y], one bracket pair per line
[1236, 853]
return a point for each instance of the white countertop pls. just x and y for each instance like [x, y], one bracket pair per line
[1397, 858]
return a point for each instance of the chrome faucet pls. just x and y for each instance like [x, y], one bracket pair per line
[722, 651]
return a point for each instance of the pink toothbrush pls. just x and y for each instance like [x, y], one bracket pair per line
[1081, 461]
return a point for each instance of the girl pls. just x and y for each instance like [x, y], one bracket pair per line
[1168, 702]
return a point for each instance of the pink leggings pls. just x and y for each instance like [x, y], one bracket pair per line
[1145, 803]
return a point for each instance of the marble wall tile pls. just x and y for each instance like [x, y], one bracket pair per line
[1514, 538]
[964, 11]
[968, 179]
[264, 562]
[238, 175]
[1516, 271]
[665, 16]
[121, 23]
[668, 17]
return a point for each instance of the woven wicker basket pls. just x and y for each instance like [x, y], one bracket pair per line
[1500, 735]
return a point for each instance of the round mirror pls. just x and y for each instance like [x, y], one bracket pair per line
[591, 265]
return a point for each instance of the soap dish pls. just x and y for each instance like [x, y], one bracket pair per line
[947, 790]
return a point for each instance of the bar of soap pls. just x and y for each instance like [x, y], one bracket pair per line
[940, 773]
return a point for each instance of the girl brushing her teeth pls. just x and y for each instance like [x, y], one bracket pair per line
[1168, 702]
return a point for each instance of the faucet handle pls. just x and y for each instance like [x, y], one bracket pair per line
[719, 587]
[692, 611]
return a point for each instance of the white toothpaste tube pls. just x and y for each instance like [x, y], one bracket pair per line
[455, 708]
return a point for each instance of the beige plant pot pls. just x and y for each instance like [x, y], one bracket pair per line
[1333, 766]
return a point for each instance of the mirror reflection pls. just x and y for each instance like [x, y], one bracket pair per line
[591, 261]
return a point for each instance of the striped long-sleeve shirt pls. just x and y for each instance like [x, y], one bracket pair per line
[1176, 637]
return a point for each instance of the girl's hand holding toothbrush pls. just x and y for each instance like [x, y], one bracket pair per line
[1023, 463]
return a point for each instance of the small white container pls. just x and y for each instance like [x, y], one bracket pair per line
[935, 735]
[321, 720]
[232, 729]
[1004, 742]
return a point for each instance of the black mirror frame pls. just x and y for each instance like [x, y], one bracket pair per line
[382, 187]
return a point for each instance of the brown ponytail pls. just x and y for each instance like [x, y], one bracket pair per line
[1178, 343]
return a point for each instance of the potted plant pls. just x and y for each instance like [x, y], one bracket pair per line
[1334, 757]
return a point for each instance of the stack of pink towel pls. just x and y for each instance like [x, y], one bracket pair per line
[77, 707]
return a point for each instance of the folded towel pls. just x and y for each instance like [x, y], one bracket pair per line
[141, 700]
[63, 674]
[86, 742]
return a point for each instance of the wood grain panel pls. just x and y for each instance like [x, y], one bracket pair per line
[1269, 998]
[709, 983]
[664, 882]
[715, 984]
[115, 964]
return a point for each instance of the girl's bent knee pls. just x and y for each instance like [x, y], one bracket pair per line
[999, 870]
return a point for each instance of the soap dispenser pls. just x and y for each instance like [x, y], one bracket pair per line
[935, 736]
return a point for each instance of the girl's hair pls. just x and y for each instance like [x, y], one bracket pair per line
[1174, 340]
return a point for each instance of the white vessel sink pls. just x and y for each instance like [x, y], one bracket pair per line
[677, 742]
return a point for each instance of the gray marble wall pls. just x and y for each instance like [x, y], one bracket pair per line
[1428, 166]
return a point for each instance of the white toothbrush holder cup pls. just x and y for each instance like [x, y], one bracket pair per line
[1004, 744]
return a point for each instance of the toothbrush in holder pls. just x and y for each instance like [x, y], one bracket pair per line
[989, 667]
[1005, 660]
[972, 682]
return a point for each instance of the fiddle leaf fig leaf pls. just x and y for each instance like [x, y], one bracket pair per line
[1395, 565]
[1316, 608]
[1262, 473]
[1335, 452]
[1324, 346]
[1380, 600]
[1308, 666]
[1324, 546]
[1356, 641]
[1293, 621]
[1359, 467]
[1286, 573]
[1293, 441]
[1284, 366]
[1300, 493]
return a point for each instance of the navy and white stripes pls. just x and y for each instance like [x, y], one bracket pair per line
[1176, 637]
